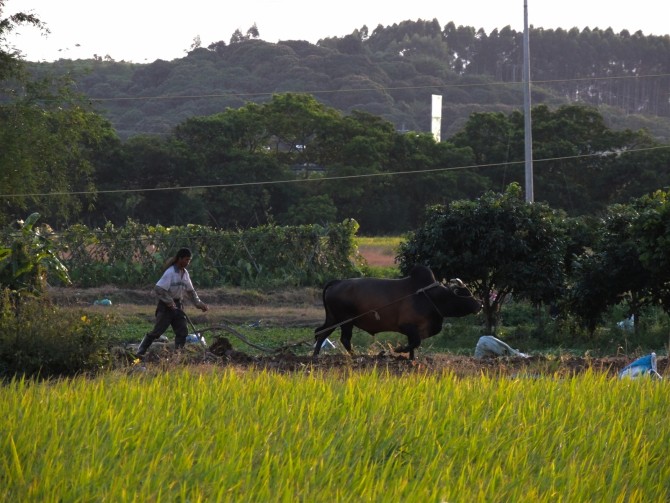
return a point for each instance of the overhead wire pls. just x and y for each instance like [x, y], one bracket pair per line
[331, 178]
[322, 179]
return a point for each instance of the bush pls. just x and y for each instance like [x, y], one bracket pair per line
[38, 339]
[269, 255]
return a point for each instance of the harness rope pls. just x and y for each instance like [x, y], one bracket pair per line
[337, 325]
[231, 330]
[423, 290]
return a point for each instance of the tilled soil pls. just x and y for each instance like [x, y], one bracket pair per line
[221, 353]
[302, 307]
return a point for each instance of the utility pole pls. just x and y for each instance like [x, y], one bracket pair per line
[528, 136]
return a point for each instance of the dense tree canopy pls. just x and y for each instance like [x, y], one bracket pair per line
[391, 72]
[262, 158]
[49, 137]
[498, 244]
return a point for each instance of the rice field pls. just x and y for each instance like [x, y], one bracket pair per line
[213, 434]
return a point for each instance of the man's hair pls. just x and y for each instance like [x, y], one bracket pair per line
[181, 253]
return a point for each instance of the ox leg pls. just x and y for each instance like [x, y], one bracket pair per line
[320, 335]
[345, 336]
[413, 342]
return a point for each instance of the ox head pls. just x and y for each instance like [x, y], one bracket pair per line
[457, 300]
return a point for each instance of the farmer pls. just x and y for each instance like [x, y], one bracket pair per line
[170, 290]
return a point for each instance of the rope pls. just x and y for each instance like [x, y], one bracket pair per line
[423, 290]
[337, 325]
[236, 333]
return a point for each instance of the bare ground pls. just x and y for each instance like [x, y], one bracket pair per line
[302, 308]
[221, 354]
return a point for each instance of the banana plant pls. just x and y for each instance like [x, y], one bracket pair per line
[28, 258]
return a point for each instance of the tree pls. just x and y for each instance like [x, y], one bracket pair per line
[652, 240]
[11, 65]
[498, 244]
[49, 137]
[314, 209]
[252, 32]
[611, 271]
[196, 44]
[294, 120]
[583, 164]
[492, 138]
[143, 162]
[236, 37]
[229, 148]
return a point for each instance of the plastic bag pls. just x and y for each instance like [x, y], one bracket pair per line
[196, 339]
[644, 366]
[490, 346]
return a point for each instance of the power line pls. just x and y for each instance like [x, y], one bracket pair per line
[323, 179]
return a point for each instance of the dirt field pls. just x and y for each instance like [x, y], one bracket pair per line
[302, 308]
[221, 354]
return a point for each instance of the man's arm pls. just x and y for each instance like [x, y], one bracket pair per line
[164, 296]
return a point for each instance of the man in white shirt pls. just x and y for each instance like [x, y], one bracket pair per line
[170, 291]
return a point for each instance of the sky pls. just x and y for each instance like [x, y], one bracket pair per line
[143, 31]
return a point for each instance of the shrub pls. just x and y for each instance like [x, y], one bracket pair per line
[38, 339]
[269, 255]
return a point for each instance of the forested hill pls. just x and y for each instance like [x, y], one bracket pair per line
[390, 72]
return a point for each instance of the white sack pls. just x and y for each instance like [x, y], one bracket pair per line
[490, 346]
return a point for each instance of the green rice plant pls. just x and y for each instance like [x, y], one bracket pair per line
[227, 435]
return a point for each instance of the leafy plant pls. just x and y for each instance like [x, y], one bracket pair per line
[28, 258]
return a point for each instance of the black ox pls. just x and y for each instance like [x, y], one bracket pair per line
[414, 306]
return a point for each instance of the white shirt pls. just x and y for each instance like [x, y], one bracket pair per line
[176, 282]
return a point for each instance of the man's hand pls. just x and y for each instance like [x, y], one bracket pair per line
[203, 307]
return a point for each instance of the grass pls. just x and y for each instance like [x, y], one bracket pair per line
[225, 435]
[379, 253]
[281, 325]
[388, 242]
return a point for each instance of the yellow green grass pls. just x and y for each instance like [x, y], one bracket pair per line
[226, 435]
[389, 242]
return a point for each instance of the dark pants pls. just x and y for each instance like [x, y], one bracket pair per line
[166, 317]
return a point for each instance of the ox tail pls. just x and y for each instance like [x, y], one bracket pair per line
[326, 307]
[322, 332]
[323, 294]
